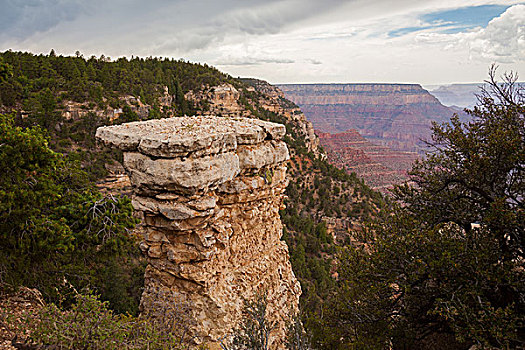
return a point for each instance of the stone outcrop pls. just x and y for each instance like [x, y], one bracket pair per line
[225, 100]
[209, 190]
[221, 100]
[273, 99]
[398, 116]
[76, 111]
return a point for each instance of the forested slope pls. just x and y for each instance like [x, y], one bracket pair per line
[69, 97]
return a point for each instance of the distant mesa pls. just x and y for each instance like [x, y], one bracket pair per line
[374, 130]
[398, 116]
[459, 95]
[456, 95]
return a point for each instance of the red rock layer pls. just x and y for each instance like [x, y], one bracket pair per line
[380, 166]
[396, 115]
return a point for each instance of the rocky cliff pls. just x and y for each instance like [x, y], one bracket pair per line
[209, 190]
[272, 99]
[395, 115]
[77, 111]
[226, 100]
[322, 201]
[221, 100]
[380, 166]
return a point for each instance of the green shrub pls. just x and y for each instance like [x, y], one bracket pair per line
[54, 226]
[90, 324]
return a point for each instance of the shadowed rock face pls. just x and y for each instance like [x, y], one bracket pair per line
[395, 115]
[209, 190]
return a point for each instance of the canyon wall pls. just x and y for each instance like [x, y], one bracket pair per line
[209, 190]
[395, 115]
[380, 166]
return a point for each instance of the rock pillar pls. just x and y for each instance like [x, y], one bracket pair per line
[209, 190]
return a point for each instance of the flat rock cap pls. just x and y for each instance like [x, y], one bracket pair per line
[182, 136]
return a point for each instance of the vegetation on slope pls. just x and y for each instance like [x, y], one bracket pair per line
[419, 276]
[56, 231]
[90, 324]
[38, 87]
[446, 270]
[317, 190]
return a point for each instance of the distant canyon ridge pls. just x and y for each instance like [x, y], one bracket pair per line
[398, 116]
[375, 130]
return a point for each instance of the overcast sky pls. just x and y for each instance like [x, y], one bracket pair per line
[285, 41]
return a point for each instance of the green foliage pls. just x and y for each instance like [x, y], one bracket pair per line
[446, 269]
[317, 190]
[128, 115]
[5, 70]
[39, 84]
[53, 225]
[255, 329]
[476, 175]
[97, 78]
[296, 337]
[90, 324]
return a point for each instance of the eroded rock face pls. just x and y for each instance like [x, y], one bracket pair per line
[380, 166]
[398, 116]
[209, 190]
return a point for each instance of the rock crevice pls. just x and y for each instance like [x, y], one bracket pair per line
[209, 190]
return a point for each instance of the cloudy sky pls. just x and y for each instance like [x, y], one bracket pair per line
[285, 41]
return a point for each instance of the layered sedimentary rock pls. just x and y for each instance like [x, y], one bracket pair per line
[273, 99]
[221, 100]
[396, 115]
[209, 190]
[75, 110]
[380, 166]
[225, 100]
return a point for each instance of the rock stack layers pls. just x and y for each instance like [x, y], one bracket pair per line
[209, 190]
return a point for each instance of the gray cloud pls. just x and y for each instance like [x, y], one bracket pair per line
[251, 18]
[313, 61]
[21, 19]
[251, 60]
[156, 26]
[325, 40]
[502, 40]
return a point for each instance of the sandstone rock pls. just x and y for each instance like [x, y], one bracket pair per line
[203, 203]
[209, 191]
[179, 137]
[275, 131]
[189, 175]
[155, 251]
[275, 176]
[222, 100]
[170, 146]
[170, 210]
[121, 137]
[380, 166]
[264, 154]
